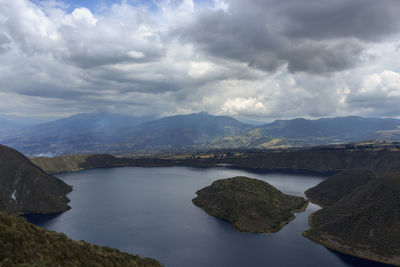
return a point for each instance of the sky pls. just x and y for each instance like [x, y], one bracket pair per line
[255, 60]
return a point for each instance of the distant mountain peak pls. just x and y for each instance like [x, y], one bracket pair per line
[105, 132]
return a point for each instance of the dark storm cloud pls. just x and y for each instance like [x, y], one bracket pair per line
[367, 20]
[322, 57]
[310, 36]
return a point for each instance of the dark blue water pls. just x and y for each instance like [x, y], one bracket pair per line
[148, 211]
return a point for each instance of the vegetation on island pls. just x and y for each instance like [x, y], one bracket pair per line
[363, 223]
[24, 244]
[251, 205]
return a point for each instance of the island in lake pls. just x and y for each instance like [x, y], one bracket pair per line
[251, 205]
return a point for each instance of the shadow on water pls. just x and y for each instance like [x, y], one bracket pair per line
[358, 262]
[37, 218]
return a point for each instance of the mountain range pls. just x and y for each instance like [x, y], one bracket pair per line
[122, 134]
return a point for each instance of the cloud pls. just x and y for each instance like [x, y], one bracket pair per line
[304, 36]
[249, 59]
[366, 20]
[221, 5]
[4, 43]
[379, 95]
[244, 106]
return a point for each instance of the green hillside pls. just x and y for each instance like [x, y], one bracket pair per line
[337, 186]
[364, 223]
[25, 188]
[24, 244]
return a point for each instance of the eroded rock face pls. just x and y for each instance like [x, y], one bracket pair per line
[25, 188]
[364, 223]
[249, 204]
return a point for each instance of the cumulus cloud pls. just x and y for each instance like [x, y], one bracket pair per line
[386, 84]
[249, 59]
[379, 94]
[244, 106]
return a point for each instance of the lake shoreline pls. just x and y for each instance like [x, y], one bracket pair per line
[93, 188]
[342, 250]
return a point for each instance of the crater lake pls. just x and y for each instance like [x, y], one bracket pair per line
[148, 211]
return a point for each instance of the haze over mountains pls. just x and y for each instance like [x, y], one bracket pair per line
[8, 126]
[115, 133]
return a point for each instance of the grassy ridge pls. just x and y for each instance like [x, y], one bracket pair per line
[336, 187]
[81, 162]
[328, 159]
[363, 223]
[26, 188]
[60, 164]
[24, 244]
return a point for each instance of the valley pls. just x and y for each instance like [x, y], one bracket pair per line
[199, 133]
[29, 188]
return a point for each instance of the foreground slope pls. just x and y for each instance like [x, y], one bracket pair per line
[364, 223]
[25, 188]
[249, 204]
[337, 186]
[24, 244]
